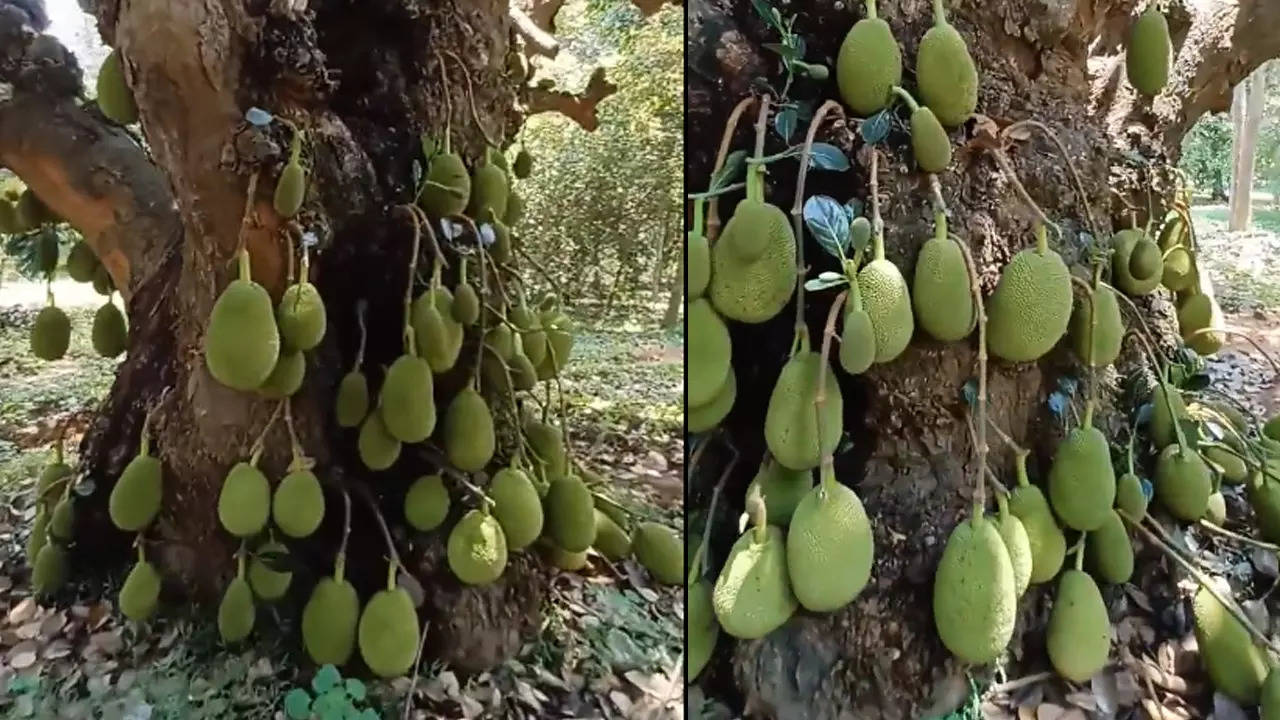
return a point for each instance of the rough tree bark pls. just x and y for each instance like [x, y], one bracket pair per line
[364, 80]
[1252, 99]
[911, 457]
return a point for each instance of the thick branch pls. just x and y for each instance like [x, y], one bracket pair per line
[580, 107]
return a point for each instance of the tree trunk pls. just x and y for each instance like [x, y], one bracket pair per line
[674, 295]
[1246, 114]
[910, 455]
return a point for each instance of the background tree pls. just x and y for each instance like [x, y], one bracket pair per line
[1248, 103]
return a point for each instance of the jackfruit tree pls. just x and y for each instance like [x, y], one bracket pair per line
[933, 415]
[339, 386]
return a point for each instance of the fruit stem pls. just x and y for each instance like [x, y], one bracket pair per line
[410, 347]
[391, 576]
[1080, 551]
[58, 456]
[1042, 239]
[1062, 151]
[295, 146]
[1002, 504]
[240, 557]
[797, 207]
[855, 297]
[912, 105]
[699, 209]
[1236, 536]
[1020, 467]
[939, 225]
[731, 125]
[939, 13]
[827, 461]
[877, 224]
[871, 9]
[294, 445]
[142, 553]
[340, 560]
[259, 443]
[981, 421]
[755, 183]
[244, 269]
[361, 306]
[758, 512]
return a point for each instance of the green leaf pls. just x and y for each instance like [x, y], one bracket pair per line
[824, 281]
[969, 391]
[326, 679]
[733, 167]
[827, 157]
[828, 223]
[767, 12]
[784, 123]
[876, 128]
[297, 704]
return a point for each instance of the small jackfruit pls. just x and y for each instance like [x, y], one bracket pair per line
[701, 418]
[755, 226]
[468, 431]
[1146, 261]
[752, 595]
[39, 535]
[829, 546]
[49, 477]
[940, 290]
[140, 592]
[1183, 483]
[888, 303]
[1125, 244]
[406, 402]
[697, 263]
[1018, 544]
[547, 443]
[857, 337]
[50, 333]
[426, 504]
[791, 425]
[388, 633]
[752, 292]
[109, 333]
[102, 282]
[1082, 485]
[466, 304]
[612, 541]
[489, 190]
[1198, 313]
[267, 582]
[1048, 546]
[378, 449]
[1234, 470]
[286, 377]
[62, 520]
[975, 598]
[329, 621]
[1109, 552]
[245, 500]
[868, 66]
[660, 550]
[516, 506]
[1129, 496]
[707, 354]
[1234, 663]
[448, 186]
[301, 316]
[701, 628]
[1215, 511]
[929, 141]
[945, 75]
[1178, 271]
[1146, 57]
[81, 262]
[570, 514]
[291, 188]
[1264, 498]
[115, 100]
[50, 570]
[782, 489]
[502, 341]
[477, 549]
[1167, 408]
[1106, 328]
[352, 403]
[298, 504]
[241, 343]
[1078, 637]
[438, 335]
[564, 559]
[523, 375]
[236, 612]
[135, 499]
[1269, 702]
[1031, 306]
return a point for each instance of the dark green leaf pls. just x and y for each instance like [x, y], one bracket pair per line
[827, 157]
[822, 282]
[853, 208]
[969, 391]
[827, 222]
[731, 171]
[1144, 414]
[1058, 402]
[784, 123]
[766, 12]
[876, 128]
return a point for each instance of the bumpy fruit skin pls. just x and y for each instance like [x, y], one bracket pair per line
[50, 334]
[752, 596]
[562, 558]
[468, 431]
[352, 402]
[301, 317]
[426, 504]
[489, 190]
[1146, 260]
[135, 499]
[109, 334]
[39, 536]
[1082, 485]
[708, 353]
[940, 291]
[1048, 546]
[291, 188]
[1129, 496]
[701, 418]
[477, 549]
[236, 612]
[378, 449]
[611, 540]
[81, 262]
[660, 550]
[329, 621]
[929, 141]
[388, 633]
[857, 342]
[1030, 309]
[52, 473]
[1018, 545]
[517, 507]
[1107, 334]
[267, 583]
[50, 570]
[697, 263]
[298, 505]
[790, 423]
[1079, 634]
[829, 548]
[115, 100]
[1109, 552]
[242, 344]
[702, 630]
[502, 340]
[286, 377]
[1183, 483]
[547, 443]
[975, 598]
[245, 501]
[868, 66]
[782, 489]
[570, 514]
[446, 170]
[1146, 58]
[1123, 246]
[141, 592]
[945, 75]
[1163, 412]
[1235, 665]
[752, 292]
[63, 519]
[888, 303]
[406, 402]
[755, 226]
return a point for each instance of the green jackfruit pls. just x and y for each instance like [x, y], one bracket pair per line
[534, 344]
[1236, 666]
[1146, 57]
[49, 477]
[489, 190]
[406, 402]
[329, 621]
[39, 535]
[868, 66]
[564, 559]
[1234, 470]
[298, 505]
[782, 489]
[468, 431]
[1109, 329]
[242, 344]
[1146, 261]
[1082, 485]
[1109, 552]
[267, 582]
[1269, 702]
[236, 612]
[109, 334]
[1183, 483]
[701, 418]
[697, 263]
[1196, 313]
[1124, 246]
[426, 504]
[829, 546]
[291, 189]
[378, 449]
[752, 292]
[945, 75]
[611, 540]
[448, 186]
[523, 164]
[62, 520]
[975, 598]
[752, 596]
[352, 403]
[50, 333]
[245, 500]
[1078, 637]
[286, 377]
[1031, 306]
[1264, 498]
[1018, 544]
[707, 354]
[477, 549]
[1173, 232]
[47, 251]
[858, 337]
[755, 226]
[1129, 496]
[102, 282]
[1048, 546]
[81, 262]
[466, 304]
[701, 628]
[570, 514]
[301, 317]
[1178, 270]
[517, 507]
[790, 424]
[388, 633]
[50, 570]
[888, 304]
[1164, 410]
[929, 141]
[523, 374]
[502, 341]
[547, 443]
[940, 292]
[1215, 510]
[115, 100]
[140, 593]
[500, 249]
[438, 335]
[135, 499]
[660, 550]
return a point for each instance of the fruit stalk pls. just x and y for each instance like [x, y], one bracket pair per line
[939, 13]
[912, 105]
[1006, 167]
[361, 306]
[1062, 151]
[705, 545]
[730, 125]
[981, 448]
[877, 224]
[1238, 537]
[340, 560]
[259, 443]
[248, 212]
[827, 462]
[797, 207]
[393, 556]
[758, 512]
[410, 347]
[871, 9]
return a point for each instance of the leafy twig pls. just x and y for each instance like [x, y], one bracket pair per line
[797, 208]
[1236, 536]
[713, 207]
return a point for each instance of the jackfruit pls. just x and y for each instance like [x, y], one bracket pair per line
[534, 343]
[267, 582]
[1146, 57]
[752, 292]
[697, 263]
[102, 282]
[1196, 313]
[352, 403]
[782, 489]
[611, 540]
[945, 74]
[241, 343]
[291, 188]
[236, 612]
[1082, 485]
[660, 550]
[1234, 663]
[501, 340]
[406, 402]
[868, 66]
[135, 499]
[940, 292]
[1215, 510]
[438, 335]
[466, 305]
[62, 520]
[1031, 306]
[1129, 496]
[929, 141]
[378, 449]
[298, 505]
[1146, 260]
[47, 253]
[50, 333]
[489, 190]
[829, 546]
[1078, 637]
[523, 375]
[570, 514]
[140, 593]
[1109, 552]
[286, 377]
[1178, 271]
[115, 100]
[564, 559]
[1173, 232]
[245, 500]
[1269, 702]
[477, 549]
[388, 633]
[701, 628]
[329, 621]
[752, 596]
[426, 504]
[109, 333]
[50, 570]
[447, 190]
[755, 226]
[301, 316]
[1048, 546]
[975, 597]
[523, 164]
[1125, 244]
[547, 443]
[1264, 498]
[39, 535]
[1018, 545]
[791, 423]
[500, 249]
[701, 418]
[468, 431]
[1165, 411]
[857, 338]
[516, 506]
[49, 477]
[1183, 483]
[1234, 470]
[1109, 329]
[81, 262]
[888, 304]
